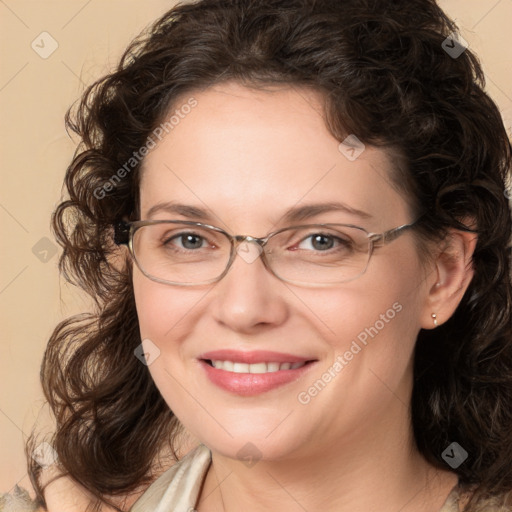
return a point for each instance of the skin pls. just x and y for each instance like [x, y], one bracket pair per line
[351, 447]
[240, 149]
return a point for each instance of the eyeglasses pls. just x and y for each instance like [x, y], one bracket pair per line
[186, 253]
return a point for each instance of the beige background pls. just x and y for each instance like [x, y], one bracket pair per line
[35, 150]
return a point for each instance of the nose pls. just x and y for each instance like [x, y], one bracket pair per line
[249, 297]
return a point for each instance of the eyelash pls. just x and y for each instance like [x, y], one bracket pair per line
[341, 242]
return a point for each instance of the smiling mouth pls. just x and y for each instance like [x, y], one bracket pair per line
[263, 367]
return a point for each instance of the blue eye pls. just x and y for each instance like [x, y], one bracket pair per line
[323, 242]
[187, 241]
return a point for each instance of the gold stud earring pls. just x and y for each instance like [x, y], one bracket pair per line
[434, 317]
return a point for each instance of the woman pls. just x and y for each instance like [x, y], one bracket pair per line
[293, 219]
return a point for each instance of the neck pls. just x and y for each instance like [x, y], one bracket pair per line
[376, 468]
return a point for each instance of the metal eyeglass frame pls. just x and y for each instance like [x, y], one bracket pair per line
[124, 232]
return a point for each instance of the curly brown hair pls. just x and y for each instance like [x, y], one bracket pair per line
[384, 74]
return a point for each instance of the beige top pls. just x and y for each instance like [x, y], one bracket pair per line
[177, 490]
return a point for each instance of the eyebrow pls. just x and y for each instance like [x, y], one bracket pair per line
[295, 214]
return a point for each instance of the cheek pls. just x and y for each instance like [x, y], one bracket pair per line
[371, 333]
[372, 329]
[376, 320]
[168, 316]
[163, 323]
[150, 307]
[159, 307]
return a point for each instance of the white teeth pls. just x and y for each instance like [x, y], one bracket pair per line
[272, 367]
[258, 368]
[240, 368]
[230, 366]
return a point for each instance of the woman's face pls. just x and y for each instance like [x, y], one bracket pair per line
[248, 158]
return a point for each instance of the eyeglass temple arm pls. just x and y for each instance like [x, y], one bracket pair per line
[389, 236]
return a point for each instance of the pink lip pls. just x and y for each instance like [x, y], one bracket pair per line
[250, 384]
[256, 356]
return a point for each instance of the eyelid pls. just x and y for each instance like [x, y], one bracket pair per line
[218, 229]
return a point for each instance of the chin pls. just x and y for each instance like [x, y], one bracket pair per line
[253, 446]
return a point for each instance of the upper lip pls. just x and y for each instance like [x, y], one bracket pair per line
[256, 356]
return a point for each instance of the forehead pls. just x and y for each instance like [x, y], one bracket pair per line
[244, 153]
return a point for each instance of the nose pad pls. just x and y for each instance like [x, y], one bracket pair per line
[249, 251]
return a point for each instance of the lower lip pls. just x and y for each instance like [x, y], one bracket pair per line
[250, 384]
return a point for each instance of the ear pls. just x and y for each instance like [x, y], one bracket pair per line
[453, 271]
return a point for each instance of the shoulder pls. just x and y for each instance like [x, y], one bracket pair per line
[180, 485]
[458, 502]
[64, 494]
[18, 500]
